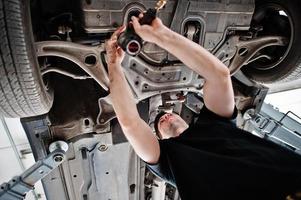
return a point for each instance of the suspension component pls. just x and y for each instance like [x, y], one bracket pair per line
[19, 186]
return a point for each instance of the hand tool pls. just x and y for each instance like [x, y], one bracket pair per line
[128, 40]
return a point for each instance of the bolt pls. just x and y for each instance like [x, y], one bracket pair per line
[103, 147]
[58, 158]
[58, 145]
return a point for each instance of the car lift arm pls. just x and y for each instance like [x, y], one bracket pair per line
[18, 186]
[275, 126]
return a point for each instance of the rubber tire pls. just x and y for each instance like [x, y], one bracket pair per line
[290, 68]
[22, 91]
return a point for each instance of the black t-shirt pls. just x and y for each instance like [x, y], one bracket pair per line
[213, 159]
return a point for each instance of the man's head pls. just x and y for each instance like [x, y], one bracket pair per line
[169, 125]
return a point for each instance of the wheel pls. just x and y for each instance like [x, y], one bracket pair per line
[280, 64]
[22, 90]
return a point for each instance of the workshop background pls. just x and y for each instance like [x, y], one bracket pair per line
[15, 152]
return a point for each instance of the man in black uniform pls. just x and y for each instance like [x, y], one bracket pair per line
[211, 159]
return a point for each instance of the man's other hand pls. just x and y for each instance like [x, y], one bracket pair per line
[150, 33]
[115, 54]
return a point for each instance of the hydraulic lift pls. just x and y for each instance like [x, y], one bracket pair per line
[280, 128]
[18, 186]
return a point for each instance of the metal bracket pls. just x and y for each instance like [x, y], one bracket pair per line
[106, 112]
[193, 103]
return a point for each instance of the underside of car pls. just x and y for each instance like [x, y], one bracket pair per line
[54, 76]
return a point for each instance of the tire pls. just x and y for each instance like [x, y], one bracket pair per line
[22, 91]
[288, 67]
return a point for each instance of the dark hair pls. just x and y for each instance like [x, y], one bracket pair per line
[159, 115]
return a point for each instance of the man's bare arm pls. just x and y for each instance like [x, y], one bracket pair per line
[218, 92]
[138, 133]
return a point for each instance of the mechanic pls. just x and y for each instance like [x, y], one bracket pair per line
[212, 158]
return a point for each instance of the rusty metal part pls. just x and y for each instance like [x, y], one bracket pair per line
[106, 111]
[77, 127]
[72, 128]
[241, 51]
[86, 57]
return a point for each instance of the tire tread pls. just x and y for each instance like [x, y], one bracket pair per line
[20, 90]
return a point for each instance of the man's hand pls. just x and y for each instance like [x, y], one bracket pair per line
[150, 33]
[216, 74]
[115, 54]
[138, 133]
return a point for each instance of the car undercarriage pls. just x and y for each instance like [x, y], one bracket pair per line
[54, 76]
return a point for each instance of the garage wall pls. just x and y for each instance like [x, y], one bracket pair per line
[286, 101]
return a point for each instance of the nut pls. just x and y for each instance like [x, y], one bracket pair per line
[58, 158]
